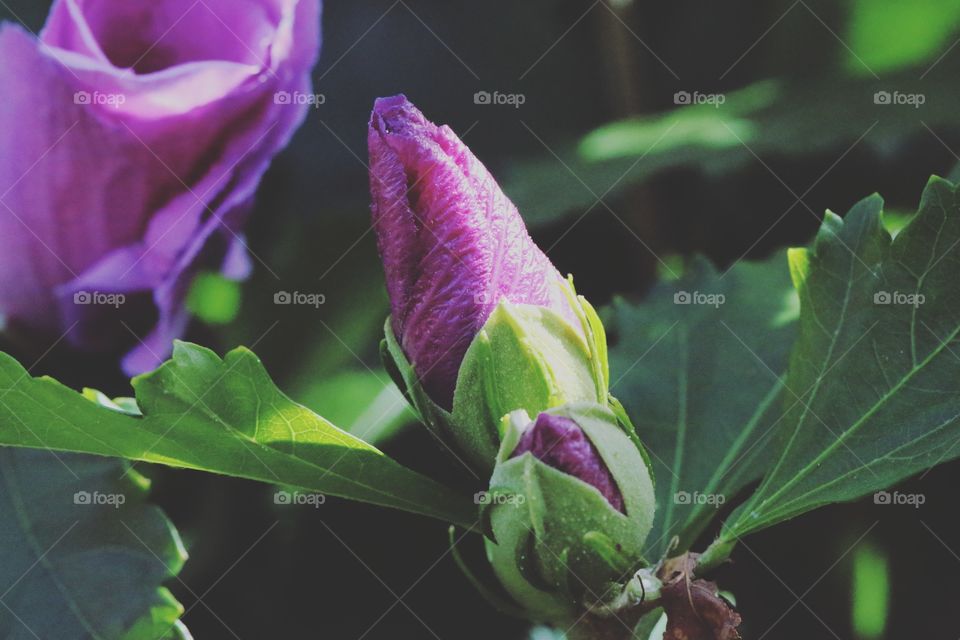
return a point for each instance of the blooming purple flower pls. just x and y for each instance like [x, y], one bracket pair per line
[134, 135]
[452, 244]
[562, 444]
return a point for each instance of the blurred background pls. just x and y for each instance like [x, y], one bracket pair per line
[626, 133]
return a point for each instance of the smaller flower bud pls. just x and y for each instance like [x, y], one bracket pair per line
[571, 504]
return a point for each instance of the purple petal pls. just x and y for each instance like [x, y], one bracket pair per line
[452, 243]
[136, 194]
[154, 36]
[562, 444]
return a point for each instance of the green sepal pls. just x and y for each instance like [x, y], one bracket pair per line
[601, 544]
[392, 366]
[524, 357]
[491, 593]
[623, 418]
[438, 421]
[595, 334]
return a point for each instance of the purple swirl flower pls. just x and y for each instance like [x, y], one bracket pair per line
[134, 136]
[452, 244]
[561, 443]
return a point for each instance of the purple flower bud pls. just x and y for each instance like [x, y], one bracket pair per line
[452, 244]
[134, 135]
[562, 444]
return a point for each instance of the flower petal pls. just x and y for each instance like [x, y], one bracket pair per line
[138, 194]
[562, 444]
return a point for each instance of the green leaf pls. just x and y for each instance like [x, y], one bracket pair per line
[701, 383]
[871, 591]
[214, 298]
[890, 34]
[651, 626]
[768, 119]
[223, 416]
[82, 554]
[874, 382]
[365, 404]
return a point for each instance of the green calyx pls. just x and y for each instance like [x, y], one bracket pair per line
[557, 545]
[524, 357]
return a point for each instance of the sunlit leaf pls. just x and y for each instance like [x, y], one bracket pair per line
[223, 416]
[890, 34]
[365, 404]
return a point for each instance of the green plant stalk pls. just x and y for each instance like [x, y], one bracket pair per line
[716, 554]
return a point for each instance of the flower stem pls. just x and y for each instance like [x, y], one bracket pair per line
[715, 555]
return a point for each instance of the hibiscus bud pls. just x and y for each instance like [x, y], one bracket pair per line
[453, 245]
[481, 322]
[134, 135]
[569, 508]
